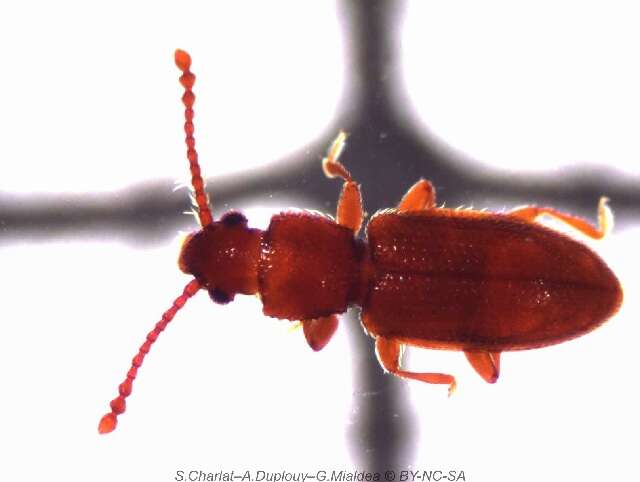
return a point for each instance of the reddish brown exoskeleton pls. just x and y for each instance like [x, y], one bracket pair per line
[472, 281]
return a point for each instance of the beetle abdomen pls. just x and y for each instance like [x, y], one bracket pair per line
[451, 279]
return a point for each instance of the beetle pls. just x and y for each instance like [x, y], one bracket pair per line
[466, 280]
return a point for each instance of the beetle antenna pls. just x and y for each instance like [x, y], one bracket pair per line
[118, 405]
[187, 79]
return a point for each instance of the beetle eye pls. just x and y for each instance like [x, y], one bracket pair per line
[219, 296]
[233, 218]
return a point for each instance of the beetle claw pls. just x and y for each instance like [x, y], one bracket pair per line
[452, 388]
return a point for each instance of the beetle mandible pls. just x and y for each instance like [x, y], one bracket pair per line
[426, 276]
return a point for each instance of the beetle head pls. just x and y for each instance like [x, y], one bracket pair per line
[223, 257]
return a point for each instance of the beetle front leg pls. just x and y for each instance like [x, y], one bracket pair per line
[420, 196]
[349, 212]
[605, 218]
[389, 353]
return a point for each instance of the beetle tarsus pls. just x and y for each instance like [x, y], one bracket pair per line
[452, 388]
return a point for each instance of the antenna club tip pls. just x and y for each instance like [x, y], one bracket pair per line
[183, 60]
[108, 423]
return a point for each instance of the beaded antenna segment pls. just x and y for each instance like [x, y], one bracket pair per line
[118, 405]
[188, 79]
[109, 421]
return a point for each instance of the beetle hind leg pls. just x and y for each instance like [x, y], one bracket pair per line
[349, 212]
[389, 353]
[605, 218]
[485, 363]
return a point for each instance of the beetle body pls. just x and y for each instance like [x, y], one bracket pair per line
[437, 278]
[472, 281]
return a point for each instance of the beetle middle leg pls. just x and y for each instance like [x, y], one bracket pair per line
[420, 196]
[605, 218]
[389, 353]
[319, 331]
[485, 363]
[349, 212]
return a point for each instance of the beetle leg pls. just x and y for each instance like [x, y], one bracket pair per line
[389, 353]
[319, 331]
[349, 213]
[485, 363]
[605, 218]
[420, 196]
